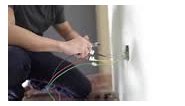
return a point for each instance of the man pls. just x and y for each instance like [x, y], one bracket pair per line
[29, 52]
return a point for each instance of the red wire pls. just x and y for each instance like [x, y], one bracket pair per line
[60, 72]
[58, 93]
[63, 70]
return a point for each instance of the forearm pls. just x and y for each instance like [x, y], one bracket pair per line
[28, 40]
[71, 35]
[75, 43]
[66, 31]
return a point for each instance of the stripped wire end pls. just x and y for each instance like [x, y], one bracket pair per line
[94, 64]
[92, 52]
[91, 58]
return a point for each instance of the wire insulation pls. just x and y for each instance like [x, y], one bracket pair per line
[71, 69]
[62, 72]
[62, 61]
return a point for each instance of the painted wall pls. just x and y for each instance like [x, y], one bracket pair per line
[128, 76]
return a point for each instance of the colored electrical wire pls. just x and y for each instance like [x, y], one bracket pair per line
[66, 71]
[55, 77]
[65, 67]
[51, 96]
[51, 82]
[105, 60]
[71, 69]
[62, 61]
[59, 72]
[87, 64]
[58, 93]
[103, 55]
[72, 64]
[63, 70]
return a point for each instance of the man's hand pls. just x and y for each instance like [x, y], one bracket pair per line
[75, 44]
[79, 46]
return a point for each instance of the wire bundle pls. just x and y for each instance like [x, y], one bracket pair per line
[67, 68]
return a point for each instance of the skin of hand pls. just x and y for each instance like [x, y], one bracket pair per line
[75, 44]
[79, 46]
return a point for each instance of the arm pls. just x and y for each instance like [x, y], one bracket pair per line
[26, 39]
[66, 31]
[69, 34]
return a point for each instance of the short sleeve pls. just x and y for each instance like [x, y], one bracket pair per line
[11, 6]
[59, 13]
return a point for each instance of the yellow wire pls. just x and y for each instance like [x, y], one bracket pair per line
[114, 61]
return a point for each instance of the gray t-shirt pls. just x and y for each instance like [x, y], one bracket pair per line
[38, 18]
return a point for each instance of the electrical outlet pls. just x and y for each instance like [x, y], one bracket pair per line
[127, 52]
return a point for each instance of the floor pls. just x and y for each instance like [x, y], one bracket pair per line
[101, 91]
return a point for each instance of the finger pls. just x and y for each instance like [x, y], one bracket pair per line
[87, 57]
[88, 42]
[90, 46]
[77, 55]
[86, 52]
[82, 53]
[89, 49]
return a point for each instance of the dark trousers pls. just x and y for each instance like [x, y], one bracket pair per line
[24, 65]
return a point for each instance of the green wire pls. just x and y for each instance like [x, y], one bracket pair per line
[59, 76]
[49, 84]
[51, 96]
[68, 57]
[66, 71]
[70, 69]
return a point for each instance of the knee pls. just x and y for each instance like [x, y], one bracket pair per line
[19, 65]
[84, 88]
[87, 88]
[77, 82]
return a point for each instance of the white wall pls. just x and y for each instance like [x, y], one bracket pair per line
[157, 40]
[128, 75]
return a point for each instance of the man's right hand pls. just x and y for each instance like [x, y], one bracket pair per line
[79, 47]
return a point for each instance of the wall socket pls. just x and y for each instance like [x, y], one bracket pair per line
[126, 52]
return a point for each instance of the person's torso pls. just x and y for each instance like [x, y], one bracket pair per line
[36, 18]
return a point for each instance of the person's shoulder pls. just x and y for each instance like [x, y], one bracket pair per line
[11, 6]
[59, 7]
